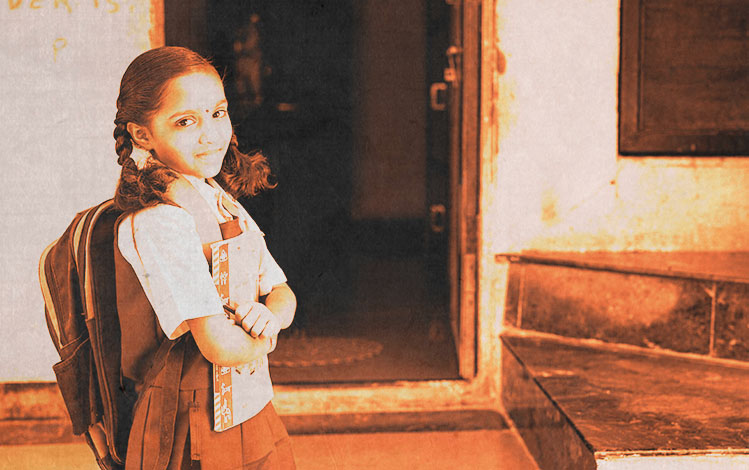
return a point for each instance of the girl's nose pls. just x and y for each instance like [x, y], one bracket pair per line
[210, 132]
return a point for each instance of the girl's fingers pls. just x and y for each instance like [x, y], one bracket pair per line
[248, 325]
[259, 327]
[249, 321]
[261, 320]
[257, 320]
[241, 313]
[272, 328]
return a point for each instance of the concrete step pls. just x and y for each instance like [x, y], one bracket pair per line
[586, 404]
[687, 302]
[34, 413]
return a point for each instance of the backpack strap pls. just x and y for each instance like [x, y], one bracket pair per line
[184, 194]
[82, 243]
[100, 387]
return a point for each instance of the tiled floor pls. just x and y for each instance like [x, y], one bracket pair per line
[489, 449]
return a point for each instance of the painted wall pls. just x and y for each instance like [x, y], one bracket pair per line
[557, 182]
[61, 65]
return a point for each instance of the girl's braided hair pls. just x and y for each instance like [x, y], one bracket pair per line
[142, 91]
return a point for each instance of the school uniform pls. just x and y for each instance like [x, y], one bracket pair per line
[163, 280]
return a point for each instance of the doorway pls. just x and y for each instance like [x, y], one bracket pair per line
[337, 94]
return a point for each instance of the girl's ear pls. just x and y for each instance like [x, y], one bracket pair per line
[140, 135]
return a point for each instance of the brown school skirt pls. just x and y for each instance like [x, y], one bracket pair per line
[259, 443]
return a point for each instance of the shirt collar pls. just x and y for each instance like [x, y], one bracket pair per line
[207, 190]
[195, 181]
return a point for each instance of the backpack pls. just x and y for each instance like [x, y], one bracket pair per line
[80, 306]
[81, 313]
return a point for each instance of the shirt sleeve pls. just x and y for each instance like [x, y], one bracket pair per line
[271, 273]
[163, 246]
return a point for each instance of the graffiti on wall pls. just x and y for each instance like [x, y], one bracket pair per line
[111, 6]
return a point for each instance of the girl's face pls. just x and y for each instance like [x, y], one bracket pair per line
[191, 130]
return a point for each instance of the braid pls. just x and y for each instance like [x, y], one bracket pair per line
[123, 143]
[138, 188]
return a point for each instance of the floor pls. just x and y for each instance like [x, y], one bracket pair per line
[391, 308]
[484, 449]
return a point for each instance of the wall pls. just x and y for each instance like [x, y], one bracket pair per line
[557, 182]
[62, 62]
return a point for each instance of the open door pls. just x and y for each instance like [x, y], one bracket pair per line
[460, 77]
[368, 114]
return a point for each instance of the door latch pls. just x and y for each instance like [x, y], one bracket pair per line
[451, 72]
[437, 219]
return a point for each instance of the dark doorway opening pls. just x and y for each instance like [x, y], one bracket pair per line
[336, 93]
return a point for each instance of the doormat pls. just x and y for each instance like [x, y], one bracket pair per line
[322, 351]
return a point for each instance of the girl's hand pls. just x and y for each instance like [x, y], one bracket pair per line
[257, 320]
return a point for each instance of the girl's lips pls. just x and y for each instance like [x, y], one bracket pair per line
[207, 153]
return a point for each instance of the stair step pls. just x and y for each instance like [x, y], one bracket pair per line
[34, 413]
[687, 302]
[583, 406]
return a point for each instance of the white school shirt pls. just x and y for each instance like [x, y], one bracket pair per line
[170, 264]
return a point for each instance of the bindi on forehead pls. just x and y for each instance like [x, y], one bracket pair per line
[194, 93]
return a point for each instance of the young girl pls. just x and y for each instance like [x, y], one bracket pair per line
[200, 298]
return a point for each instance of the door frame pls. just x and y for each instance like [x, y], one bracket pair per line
[479, 358]
[465, 106]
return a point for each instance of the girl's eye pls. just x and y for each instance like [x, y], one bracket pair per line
[219, 113]
[185, 122]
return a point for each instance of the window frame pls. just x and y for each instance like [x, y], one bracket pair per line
[634, 138]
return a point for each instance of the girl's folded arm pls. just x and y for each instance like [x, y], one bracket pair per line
[282, 302]
[225, 343]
